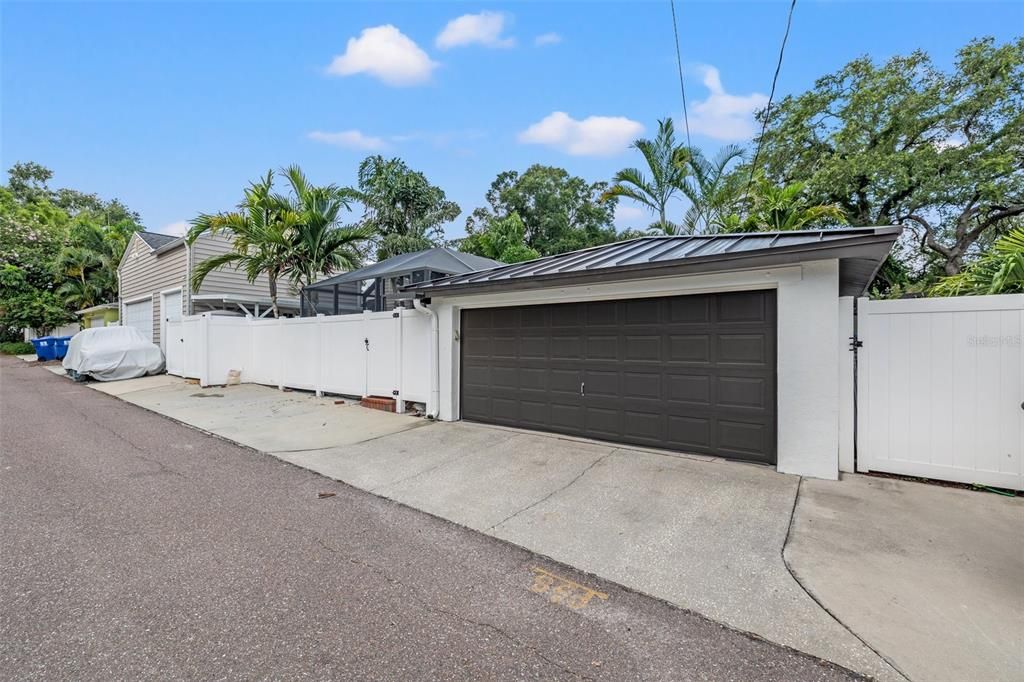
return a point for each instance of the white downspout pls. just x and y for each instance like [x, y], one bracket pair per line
[435, 369]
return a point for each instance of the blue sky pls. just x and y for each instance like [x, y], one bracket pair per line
[172, 107]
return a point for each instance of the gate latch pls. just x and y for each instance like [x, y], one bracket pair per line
[855, 343]
[367, 342]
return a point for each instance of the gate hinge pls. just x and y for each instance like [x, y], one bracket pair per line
[394, 393]
[855, 343]
[396, 314]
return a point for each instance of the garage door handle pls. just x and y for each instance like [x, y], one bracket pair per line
[583, 388]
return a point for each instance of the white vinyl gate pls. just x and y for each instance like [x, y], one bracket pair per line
[941, 388]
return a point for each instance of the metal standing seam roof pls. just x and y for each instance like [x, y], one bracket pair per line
[860, 250]
[442, 259]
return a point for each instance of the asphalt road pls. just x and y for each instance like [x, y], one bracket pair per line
[134, 547]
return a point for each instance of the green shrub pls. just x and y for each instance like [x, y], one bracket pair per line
[17, 348]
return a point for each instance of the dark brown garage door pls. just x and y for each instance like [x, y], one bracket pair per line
[691, 373]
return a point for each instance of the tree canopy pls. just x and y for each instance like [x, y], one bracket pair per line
[402, 208]
[905, 143]
[59, 250]
[558, 212]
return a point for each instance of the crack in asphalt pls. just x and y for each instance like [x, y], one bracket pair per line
[426, 605]
[162, 468]
[555, 492]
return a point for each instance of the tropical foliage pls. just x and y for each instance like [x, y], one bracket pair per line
[906, 143]
[778, 209]
[999, 270]
[665, 162]
[558, 212]
[59, 250]
[295, 238]
[403, 210]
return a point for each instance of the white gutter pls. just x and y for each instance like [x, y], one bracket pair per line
[435, 369]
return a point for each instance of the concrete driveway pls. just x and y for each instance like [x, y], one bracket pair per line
[702, 533]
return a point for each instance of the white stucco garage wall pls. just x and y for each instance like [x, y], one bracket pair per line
[808, 336]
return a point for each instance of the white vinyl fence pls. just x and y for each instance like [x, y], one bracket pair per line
[941, 389]
[383, 354]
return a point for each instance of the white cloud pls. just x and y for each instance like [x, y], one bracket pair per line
[547, 39]
[628, 215]
[386, 53]
[593, 136]
[723, 116]
[349, 139]
[177, 229]
[475, 29]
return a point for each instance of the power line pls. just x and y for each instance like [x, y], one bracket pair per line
[679, 64]
[771, 95]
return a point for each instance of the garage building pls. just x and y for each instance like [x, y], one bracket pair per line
[725, 345]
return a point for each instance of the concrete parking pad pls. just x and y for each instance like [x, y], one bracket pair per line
[707, 536]
[267, 419]
[932, 577]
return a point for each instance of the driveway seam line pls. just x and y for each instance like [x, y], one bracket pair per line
[554, 492]
[815, 599]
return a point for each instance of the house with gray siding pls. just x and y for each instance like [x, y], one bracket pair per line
[154, 284]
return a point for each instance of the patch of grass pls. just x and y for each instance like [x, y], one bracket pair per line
[17, 348]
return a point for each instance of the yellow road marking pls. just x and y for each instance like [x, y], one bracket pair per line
[562, 590]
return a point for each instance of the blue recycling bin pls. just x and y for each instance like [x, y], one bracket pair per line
[60, 346]
[45, 349]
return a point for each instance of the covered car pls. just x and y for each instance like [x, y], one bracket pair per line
[112, 353]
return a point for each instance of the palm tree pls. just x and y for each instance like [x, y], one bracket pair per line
[319, 244]
[713, 191]
[999, 270]
[261, 230]
[667, 175]
[79, 293]
[775, 209]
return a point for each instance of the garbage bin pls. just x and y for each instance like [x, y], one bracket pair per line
[44, 348]
[60, 346]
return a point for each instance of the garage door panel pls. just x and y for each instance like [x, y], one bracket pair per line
[690, 432]
[743, 438]
[694, 373]
[140, 316]
[602, 383]
[690, 310]
[566, 315]
[693, 389]
[642, 347]
[642, 384]
[533, 413]
[566, 416]
[742, 392]
[689, 348]
[566, 347]
[745, 349]
[644, 311]
[603, 421]
[505, 377]
[741, 307]
[644, 425]
[603, 313]
[605, 347]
